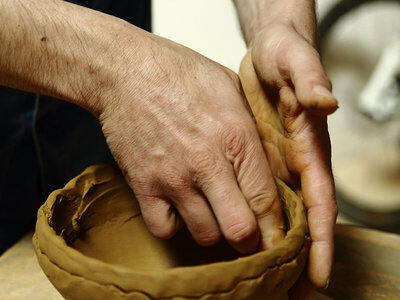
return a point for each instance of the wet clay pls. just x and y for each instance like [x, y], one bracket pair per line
[92, 243]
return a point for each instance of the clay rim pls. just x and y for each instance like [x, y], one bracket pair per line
[49, 244]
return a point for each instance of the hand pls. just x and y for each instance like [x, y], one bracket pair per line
[289, 92]
[175, 121]
[181, 133]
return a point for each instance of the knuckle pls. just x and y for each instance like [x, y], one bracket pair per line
[318, 76]
[208, 238]
[203, 160]
[334, 210]
[153, 216]
[145, 187]
[263, 203]
[315, 72]
[240, 232]
[163, 231]
[324, 215]
[172, 181]
[176, 184]
[234, 137]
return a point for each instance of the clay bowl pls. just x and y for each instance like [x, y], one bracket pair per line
[92, 243]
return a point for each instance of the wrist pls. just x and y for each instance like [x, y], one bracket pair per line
[115, 61]
[110, 54]
[257, 15]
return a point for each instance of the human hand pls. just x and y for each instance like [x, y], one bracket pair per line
[181, 133]
[289, 92]
[175, 121]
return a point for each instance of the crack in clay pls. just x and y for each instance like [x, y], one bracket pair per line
[131, 218]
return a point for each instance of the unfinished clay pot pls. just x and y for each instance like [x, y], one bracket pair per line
[92, 243]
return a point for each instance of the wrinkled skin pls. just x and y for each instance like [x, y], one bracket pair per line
[278, 75]
[191, 152]
[177, 122]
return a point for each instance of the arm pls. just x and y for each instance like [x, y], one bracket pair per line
[63, 50]
[174, 120]
[280, 35]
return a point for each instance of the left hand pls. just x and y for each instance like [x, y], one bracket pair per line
[290, 94]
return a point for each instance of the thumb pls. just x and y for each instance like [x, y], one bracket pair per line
[312, 86]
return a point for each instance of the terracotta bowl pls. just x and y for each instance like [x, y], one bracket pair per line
[92, 243]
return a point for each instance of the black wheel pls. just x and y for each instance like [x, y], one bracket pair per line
[374, 146]
[337, 12]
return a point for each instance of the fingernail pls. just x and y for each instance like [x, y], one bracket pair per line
[322, 265]
[323, 99]
[327, 284]
[322, 92]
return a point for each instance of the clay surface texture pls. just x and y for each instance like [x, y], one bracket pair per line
[92, 243]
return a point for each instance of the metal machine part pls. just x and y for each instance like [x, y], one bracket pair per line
[360, 48]
[380, 98]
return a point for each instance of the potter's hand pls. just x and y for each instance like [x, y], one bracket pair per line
[175, 121]
[181, 133]
[282, 76]
[189, 148]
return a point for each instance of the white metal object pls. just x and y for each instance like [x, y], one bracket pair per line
[380, 98]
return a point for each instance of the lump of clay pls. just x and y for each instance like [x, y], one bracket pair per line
[92, 243]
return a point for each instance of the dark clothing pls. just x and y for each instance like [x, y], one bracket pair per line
[44, 142]
[137, 12]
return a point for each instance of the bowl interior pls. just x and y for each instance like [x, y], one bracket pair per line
[106, 224]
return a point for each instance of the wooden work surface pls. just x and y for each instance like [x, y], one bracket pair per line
[21, 277]
[367, 266]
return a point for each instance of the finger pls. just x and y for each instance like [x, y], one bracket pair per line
[319, 199]
[235, 218]
[302, 289]
[199, 219]
[312, 86]
[258, 187]
[159, 216]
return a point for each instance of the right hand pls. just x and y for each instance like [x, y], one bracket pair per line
[282, 75]
[178, 126]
